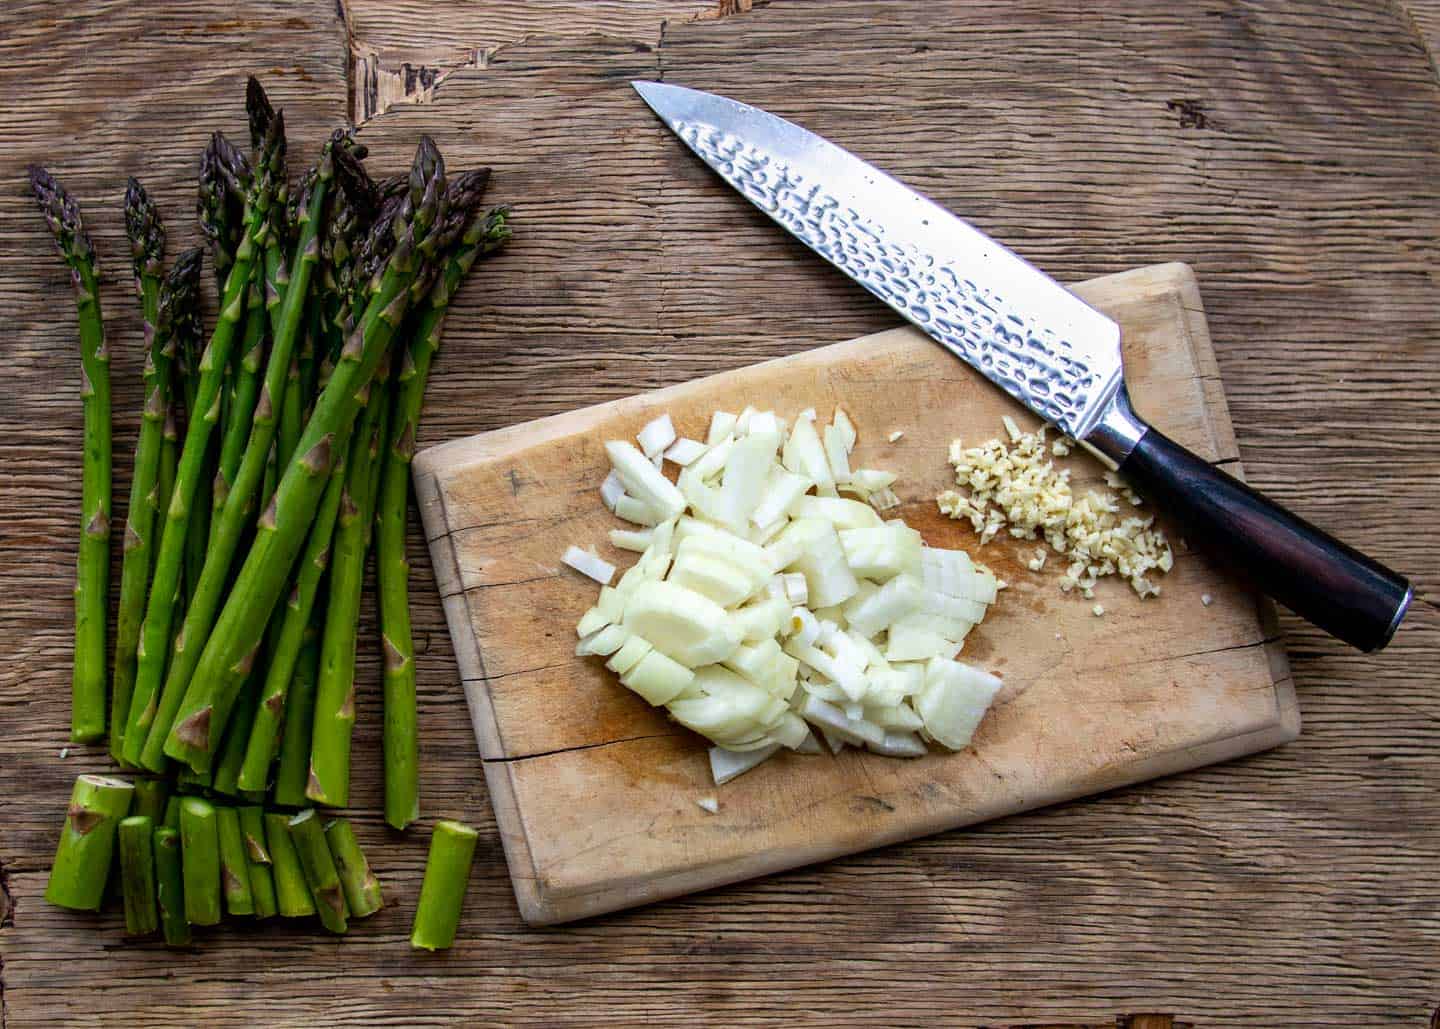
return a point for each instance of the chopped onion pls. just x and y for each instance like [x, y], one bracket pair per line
[611, 490]
[643, 481]
[747, 467]
[681, 623]
[685, 452]
[954, 701]
[804, 455]
[836, 454]
[764, 421]
[782, 491]
[603, 643]
[629, 655]
[591, 621]
[899, 744]
[632, 539]
[894, 437]
[846, 429]
[632, 510]
[842, 513]
[709, 804]
[722, 424]
[589, 564]
[884, 500]
[727, 764]
[795, 589]
[657, 678]
[656, 436]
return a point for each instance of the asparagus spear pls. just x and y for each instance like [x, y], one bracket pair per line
[329, 781]
[137, 874]
[226, 777]
[257, 862]
[147, 244]
[362, 889]
[92, 573]
[234, 868]
[200, 853]
[292, 892]
[150, 798]
[320, 871]
[204, 411]
[209, 594]
[482, 236]
[292, 772]
[170, 887]
[243, 395]
[87, 842]
[447, 874]
[282, 527]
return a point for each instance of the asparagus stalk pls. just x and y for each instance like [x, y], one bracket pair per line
[447, 874]
[243, 396]
[362, 889]
[292, 773]
[87, 842]
[170, 887]
[292, 893]
[334, 721]
[200, 851]
[320, 871]
[150, 798]
[226, 777]
[234, 867]
[137, 874]
[257, 862]
[206, 600]
[204, 411]
[161, 304]
[281, 530]
[220, 209]
[401, 741]
[172, 812]
[164, 486]
[92, 578]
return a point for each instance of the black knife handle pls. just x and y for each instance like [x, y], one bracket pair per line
[1322, 580]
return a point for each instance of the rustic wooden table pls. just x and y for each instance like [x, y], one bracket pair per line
[1286, 150]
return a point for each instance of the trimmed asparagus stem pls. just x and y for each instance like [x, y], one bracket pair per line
[320, 870]
[87, 842]
[362, 888]
[205, 604]
[401, 736]
[257, 862]
[150, 799]
[227, 766]
[234, 868]
[155, 636]
[172, 812]
[147, 248]
[92, 568]
[293, 770]
[447, 875]
[292, 892]
[329, 781]
[164, 486]
[200, 850]
[288, 694]
[244, 394]
[137, 874]
[170, 888]
[281, 530]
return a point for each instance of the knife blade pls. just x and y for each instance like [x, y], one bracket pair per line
[1031, 337]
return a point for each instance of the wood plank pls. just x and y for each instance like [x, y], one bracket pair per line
[1291, 888]
[596, 789]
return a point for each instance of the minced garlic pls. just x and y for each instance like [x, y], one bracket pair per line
[1015, 487]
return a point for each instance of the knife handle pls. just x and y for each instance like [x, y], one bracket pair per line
[1324, 581]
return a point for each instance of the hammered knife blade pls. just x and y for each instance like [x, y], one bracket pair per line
[1034, 339]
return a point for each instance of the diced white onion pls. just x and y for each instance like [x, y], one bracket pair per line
[728, 764]
[685, 452]
[656, 436]
[632, 539]
[795, 589]
[589, 564]
[722, 424]
[611, 490]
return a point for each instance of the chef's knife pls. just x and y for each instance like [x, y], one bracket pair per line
[1033, 338]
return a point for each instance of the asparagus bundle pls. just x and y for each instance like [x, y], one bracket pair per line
[92, 574]
[299, 411]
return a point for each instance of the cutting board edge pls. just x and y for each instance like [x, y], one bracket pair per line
[538, 908]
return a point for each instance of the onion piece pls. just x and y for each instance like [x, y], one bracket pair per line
[589, 564]
[633, 510]
[842, 424]
[657, 678]
[762, 620]
[954, 701]
[804, 455]
[781, 492]
[603, 643]
[836, 454]
[611, 490]
[884, 500]
[899, 597]
[685, 452]
[708, 804]
[643, 481]
[637, 540]
[591, 622]
[833, 741]
[656, 436]
[722, 424]
[899, 744]
[747, 467]
[764, 421]
[726, 765]
[629, 655]
[839, 512]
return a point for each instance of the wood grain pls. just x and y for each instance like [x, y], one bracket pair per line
[1284, 149]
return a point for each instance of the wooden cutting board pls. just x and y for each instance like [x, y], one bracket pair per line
[595, 792]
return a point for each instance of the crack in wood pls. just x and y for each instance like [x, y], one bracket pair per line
[578, 747]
